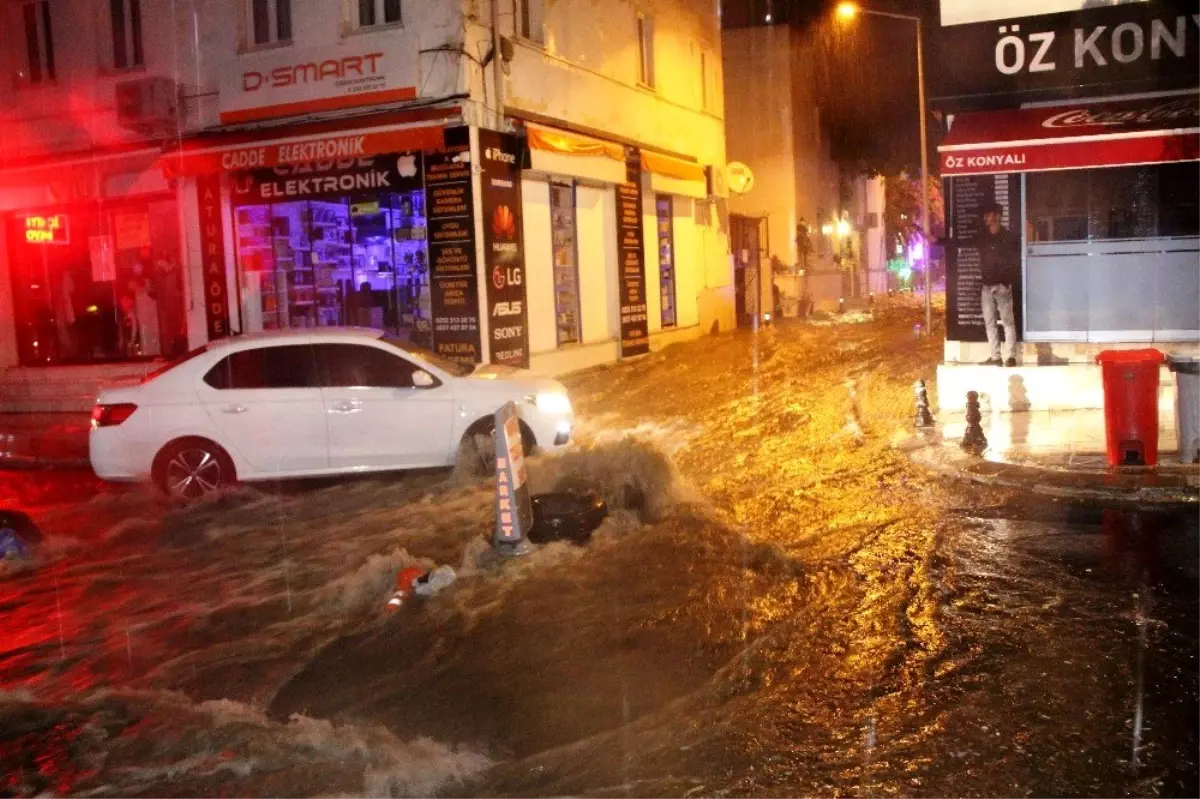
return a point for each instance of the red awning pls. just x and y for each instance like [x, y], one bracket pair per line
[316, 141]
[1146, 131]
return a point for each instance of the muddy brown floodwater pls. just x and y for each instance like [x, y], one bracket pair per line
[780, 604]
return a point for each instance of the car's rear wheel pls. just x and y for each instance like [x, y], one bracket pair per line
[192, 467]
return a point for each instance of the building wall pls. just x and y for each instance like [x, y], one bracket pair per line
[760, 130]
[77, 110]
[584, 76]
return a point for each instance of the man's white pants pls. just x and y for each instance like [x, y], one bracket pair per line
[999, 297]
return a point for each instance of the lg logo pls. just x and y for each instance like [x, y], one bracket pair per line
[506, 276]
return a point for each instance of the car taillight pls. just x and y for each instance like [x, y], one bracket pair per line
[111, 415]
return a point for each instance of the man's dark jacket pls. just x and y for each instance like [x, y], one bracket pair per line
[999, 257]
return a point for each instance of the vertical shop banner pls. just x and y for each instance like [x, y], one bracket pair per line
[454, 285]
[508, 318]
[967, 196]
[631, 266]
[212, 256]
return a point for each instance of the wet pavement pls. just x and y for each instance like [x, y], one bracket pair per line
[780, 604]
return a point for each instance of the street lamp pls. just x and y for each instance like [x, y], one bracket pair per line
[848, 11]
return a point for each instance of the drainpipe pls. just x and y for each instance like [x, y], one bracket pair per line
[497, 70]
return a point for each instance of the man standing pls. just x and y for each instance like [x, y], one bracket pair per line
[999, 266]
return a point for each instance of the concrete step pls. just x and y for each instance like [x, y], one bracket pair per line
[56, 389]
[1076, 386]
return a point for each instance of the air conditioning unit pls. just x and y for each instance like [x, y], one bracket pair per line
[715, 178]
[148, 105]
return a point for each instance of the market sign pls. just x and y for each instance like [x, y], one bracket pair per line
[987, 50]
[49, 229]
[356, 71]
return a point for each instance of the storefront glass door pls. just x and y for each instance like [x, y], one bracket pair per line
[97, 285]
[356, 259]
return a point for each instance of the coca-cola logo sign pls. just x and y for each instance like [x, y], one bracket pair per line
[1172, 114]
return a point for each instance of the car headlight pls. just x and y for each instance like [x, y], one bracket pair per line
[553, 403]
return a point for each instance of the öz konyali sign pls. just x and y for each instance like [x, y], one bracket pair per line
[1139, 131]
[1036, 48]
[359, 70]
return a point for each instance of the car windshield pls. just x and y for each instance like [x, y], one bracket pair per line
[446, 365]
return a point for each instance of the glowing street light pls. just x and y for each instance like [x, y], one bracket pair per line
[848, 11]
[843, 228]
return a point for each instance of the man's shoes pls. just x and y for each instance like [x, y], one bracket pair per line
[992, 362]
[1011, 362]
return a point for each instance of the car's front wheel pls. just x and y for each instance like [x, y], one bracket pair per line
[192, 467]
[477, 450]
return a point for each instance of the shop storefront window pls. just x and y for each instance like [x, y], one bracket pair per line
[1112, 254]
[666, 259]
[353, 259]
[566, 262]
[97, 285]
[1115, 203]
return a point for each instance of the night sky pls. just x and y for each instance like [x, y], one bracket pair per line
[866, 75]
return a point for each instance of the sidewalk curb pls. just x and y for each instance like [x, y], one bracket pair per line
[36, 463]
[947, 460]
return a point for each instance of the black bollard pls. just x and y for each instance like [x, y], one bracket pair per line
[924, 417]
[974, 441]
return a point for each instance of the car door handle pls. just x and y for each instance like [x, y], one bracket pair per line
[346, 406]
[235, 408]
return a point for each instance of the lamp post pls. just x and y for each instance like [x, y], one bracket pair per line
[848, 11]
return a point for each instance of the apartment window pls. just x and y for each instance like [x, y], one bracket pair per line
[704, 80]
[377, 12]
[39, 42]
[126, 33]
[527, 19]
[645, 43]
[270, 21]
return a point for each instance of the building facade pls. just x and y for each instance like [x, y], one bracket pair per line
[818, 231]
[1082, 121]
[498, 184]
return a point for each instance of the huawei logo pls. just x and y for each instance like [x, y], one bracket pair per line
[504, 223]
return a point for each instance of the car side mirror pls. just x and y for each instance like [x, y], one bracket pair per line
[422, 379]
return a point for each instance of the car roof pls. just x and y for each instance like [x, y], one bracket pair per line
[268, 337]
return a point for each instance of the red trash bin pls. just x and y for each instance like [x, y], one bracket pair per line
[1131, 405]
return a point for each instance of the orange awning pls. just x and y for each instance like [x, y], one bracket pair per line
[671, 167]
[560, 141]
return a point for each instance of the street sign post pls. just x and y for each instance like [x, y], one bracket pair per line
[514, 510]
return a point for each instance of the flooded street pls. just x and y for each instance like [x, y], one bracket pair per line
[779, 604]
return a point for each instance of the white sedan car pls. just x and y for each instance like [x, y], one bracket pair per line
[310, 403]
